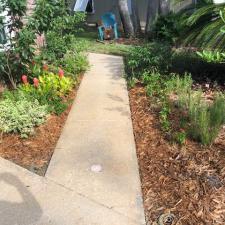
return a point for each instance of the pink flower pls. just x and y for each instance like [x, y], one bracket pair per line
[24, 79]
[45, 67]
[36, 82]
[61, 73]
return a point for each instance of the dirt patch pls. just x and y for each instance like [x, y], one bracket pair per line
[35, 152]
[187, 182]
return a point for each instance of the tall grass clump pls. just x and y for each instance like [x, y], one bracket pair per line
[206, 119]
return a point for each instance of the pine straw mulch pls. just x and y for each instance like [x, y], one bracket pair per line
[35, 152]
[187, 181]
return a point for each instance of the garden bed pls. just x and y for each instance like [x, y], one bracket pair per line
[186, 181]
[34, 153]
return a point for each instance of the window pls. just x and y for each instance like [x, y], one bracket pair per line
[84, 6]
[90, 6]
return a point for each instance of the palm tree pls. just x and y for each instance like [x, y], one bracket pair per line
[204, 27]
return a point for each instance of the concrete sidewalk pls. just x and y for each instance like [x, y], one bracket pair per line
[93, 176]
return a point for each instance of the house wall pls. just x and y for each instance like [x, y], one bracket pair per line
[103, 6]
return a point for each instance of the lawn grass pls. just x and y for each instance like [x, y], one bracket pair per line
[91, 39]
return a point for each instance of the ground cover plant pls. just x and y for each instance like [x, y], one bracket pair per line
[21, 116]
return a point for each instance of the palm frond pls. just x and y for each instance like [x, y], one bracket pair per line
[204, 27]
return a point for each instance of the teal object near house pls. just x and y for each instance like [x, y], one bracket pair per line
[108, 21]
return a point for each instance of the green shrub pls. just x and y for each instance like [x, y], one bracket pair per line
[79, 45]
[153, 82]
[55, 104]
[68, 24]
[168, 28]
[75, 63]
[57, 46]
[18, 46]
[153, 56]
[44, 14]
[21, 116]
[164, 117]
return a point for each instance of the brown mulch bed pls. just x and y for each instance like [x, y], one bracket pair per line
[35, 152]
[186, 181]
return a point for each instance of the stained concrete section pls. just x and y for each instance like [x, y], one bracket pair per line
[96, 156]
[27, 199]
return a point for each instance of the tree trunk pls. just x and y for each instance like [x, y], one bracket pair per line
[164, 7]
[136, 18]
[126, 18]
[152, 14]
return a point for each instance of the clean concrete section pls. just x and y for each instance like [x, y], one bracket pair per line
[93, 176]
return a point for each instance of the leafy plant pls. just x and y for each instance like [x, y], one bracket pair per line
[74, 62]
[212, 56]
[18, 47]
[60, 86]
[168, 28]
[152, 80]
[50, 91]
[44, 13]
[164, 117]
[60, 35]
[180, 137]
[153, 56]
[57, 46]
[21, 116]
[68, 24]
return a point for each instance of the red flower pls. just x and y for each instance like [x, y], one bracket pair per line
[33, 63]
[61, 73]
[24, 79]
[45, 67]
[36, 82]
